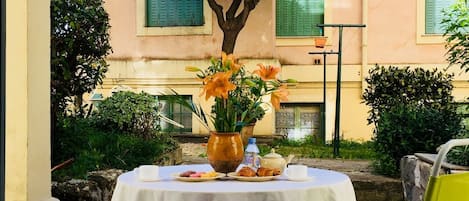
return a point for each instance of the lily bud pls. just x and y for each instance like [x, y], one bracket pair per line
[291, 81]
[192, 69]
[250, 83]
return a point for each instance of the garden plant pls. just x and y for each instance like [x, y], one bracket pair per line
[412, 110]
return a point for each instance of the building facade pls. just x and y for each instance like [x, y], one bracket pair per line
[154, 40]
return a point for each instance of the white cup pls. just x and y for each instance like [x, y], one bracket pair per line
[297, 171]
[148, 172]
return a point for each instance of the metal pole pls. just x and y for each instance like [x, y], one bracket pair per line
[324, 100]
[337, 98]
[336, 141]
[323, 115]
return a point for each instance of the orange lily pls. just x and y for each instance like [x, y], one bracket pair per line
[267, 73]
[279, 95]
[218, 85]
[231, 61]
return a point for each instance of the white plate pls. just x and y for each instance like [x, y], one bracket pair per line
[253, 179]
[196, 179]
[300, 178]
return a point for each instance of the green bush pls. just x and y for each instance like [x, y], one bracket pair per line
[408, 129]
[412, 110]
[129, 112]
[94, 149]
[391, 86]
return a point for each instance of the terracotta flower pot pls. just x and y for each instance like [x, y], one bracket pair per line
[225, 151]
[247, 132]
[320, 42]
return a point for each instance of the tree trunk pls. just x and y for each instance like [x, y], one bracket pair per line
[229, 40]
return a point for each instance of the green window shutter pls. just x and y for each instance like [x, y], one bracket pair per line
[433, 15]
[299, 17]
[167, 13]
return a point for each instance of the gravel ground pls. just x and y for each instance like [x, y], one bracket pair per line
[194, 153]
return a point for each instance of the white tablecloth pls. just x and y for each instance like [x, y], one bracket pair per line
[325, 185]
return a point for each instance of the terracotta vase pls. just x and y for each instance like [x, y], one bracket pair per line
[247, 132]
[225, 151]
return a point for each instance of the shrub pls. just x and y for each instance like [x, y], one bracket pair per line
[412, 110]
[129, 112]
[94, 149]
[407, 129]
[79, 45]
[388, 87]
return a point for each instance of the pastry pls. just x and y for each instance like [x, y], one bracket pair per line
[246, 172]
[277, 171]
[264, 172]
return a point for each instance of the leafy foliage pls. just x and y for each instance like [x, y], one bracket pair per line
[79, 44]
[459, 155]
[308, 148]
[408, 129]
[456, 25]
[412, 111]
[95, 149]
[388, 87]
[129, 112]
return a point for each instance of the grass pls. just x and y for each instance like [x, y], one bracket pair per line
[308, 149]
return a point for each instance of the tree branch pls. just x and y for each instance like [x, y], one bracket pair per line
[230, 14]
[218, 11]
[249, 5]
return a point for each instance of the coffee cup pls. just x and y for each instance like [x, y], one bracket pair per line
[148, 173]
[295, 171]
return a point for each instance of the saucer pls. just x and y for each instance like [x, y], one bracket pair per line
[149, 180]
[307, 178]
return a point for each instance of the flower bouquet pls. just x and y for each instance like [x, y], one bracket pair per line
[239, 100]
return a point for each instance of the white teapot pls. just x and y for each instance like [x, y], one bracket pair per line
[274, 160]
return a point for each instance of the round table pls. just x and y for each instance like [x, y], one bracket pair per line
[325, 185]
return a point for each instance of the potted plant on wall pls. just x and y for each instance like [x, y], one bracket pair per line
[238, 101]
[320, 41]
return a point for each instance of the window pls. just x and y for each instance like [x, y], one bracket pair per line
[176, 113]
[429, 16]
[299, 17]
[298, 120]
[173, 17]
[433, 15]
[170, 13]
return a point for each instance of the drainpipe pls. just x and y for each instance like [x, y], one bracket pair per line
[364, 45]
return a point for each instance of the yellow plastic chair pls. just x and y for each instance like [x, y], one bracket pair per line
[449, 187]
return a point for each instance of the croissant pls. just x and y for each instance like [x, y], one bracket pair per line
[246, 172]
[263, 172]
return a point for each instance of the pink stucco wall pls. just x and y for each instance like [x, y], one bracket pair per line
[391, 36]
[392, 28]
[255, 40]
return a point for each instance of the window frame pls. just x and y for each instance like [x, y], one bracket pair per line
[421, 36]
[304, 40]
[171, 128]
[143, 30]
[297, 108]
